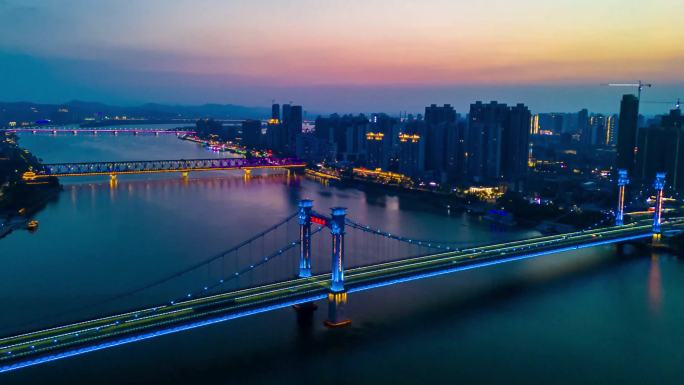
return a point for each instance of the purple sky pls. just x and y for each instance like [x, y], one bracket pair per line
[346, 56]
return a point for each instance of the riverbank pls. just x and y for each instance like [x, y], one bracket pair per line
[21, 199]
[508, 210]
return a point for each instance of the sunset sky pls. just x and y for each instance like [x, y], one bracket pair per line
[330, 55]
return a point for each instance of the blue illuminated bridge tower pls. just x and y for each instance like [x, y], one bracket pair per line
[623, 180]
[305, 207]
[336, 222]
[659, 184]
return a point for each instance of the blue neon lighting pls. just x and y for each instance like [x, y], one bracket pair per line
[489, 263]
[145, 336]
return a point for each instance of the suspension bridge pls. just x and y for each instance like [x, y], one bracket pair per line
[296, 270]
[182, 166]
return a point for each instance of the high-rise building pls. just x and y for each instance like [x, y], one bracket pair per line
[376, 156]
[435, 114]
[661, 148]
[347, 134]
[595, 132]
[457, 151]
[583, 126]
[411, 155]
[440, 124]
[274, 135]
[627, 133]
[498, 142]
[292, 119]
[251, 133]
[275, 111]
[515, 144]
[484, 140]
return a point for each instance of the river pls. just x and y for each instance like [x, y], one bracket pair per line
[592, 316]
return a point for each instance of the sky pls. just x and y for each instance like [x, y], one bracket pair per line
[342, 55]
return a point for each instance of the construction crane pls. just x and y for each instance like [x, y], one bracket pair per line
[640, 86]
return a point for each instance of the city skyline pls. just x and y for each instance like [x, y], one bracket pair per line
[347, 57]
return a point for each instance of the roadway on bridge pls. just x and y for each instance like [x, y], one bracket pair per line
[77, 338]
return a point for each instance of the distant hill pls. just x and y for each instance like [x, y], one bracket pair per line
[77, 111]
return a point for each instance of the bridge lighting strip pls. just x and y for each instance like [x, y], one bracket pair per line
[489, 263]
[145, 336]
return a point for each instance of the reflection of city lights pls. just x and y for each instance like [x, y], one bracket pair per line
[655, 295]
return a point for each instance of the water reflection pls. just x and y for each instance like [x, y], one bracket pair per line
[209, 182]
[655, 291]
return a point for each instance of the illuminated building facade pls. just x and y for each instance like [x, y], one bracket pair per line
[534, 125]
[411, 155]
[610, 138]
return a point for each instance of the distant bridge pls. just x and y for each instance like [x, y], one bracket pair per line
[161, 166]
[113, 131]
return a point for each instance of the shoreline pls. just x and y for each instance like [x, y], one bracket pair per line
[21, 199]
[544, 223]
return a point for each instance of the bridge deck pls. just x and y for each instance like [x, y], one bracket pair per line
[78, 338]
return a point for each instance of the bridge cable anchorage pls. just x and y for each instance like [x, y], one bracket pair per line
[167, 278]
[263, 261]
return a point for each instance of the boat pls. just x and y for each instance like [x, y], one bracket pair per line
[32, 225]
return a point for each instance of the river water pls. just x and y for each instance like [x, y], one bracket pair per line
[589, 317]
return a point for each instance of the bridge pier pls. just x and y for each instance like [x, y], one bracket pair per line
[336, 313]
[305, 207]
[337, 298]
[659, 184]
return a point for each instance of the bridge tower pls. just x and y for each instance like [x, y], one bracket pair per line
[305, 207]
[337, 298]
[623, 180]
[659, 184]
[337, 226]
